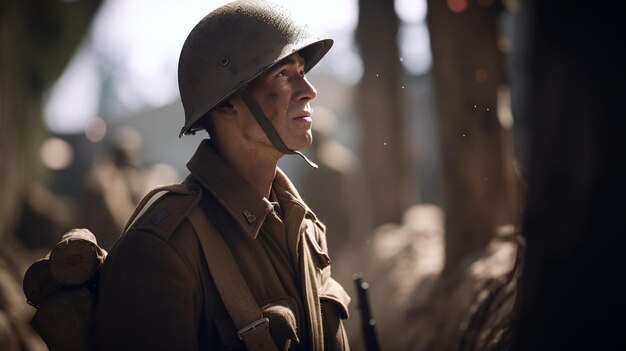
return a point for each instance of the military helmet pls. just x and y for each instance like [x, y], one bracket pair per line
[231, 46]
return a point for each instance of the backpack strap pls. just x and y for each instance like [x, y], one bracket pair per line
[252, 327]
[150, 198]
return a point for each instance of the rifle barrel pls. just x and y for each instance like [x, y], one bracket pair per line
[367, 320]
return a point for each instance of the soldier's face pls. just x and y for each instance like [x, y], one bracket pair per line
[284, 94]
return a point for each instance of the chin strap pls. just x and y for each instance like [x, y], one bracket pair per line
[268, 127]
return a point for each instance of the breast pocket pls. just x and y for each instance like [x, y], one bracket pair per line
[283, 321]
[283, 316]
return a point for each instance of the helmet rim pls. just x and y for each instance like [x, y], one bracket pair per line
[233, 45]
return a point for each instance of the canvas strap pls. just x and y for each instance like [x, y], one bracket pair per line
[268, 127]
[252, 327]
[151, 198]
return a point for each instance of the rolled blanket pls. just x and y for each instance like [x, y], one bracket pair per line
[39, 284]
[65, 320]
[76, 258]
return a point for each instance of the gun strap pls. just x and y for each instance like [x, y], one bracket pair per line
[252, 327]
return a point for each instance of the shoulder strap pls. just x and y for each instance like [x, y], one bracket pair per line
[150, 198]
[252, 327]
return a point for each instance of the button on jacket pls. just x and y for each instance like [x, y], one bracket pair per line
[155, 290]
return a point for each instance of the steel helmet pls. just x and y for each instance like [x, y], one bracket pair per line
[230, 47]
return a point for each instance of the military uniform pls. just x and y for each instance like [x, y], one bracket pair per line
[156, 292]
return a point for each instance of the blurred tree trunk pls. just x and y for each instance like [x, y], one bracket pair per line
[37, 39]
[467, 71]
[572, 295]
[379, 104]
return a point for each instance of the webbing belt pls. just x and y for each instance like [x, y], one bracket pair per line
[252, 327]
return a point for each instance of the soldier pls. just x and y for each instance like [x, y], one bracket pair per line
[231, 258]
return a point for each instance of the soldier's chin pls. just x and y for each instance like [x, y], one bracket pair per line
[294, 141]
[302, 144]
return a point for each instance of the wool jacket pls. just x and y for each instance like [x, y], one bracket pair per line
[155, 290]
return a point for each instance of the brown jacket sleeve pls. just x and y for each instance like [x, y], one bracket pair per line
[147, 297]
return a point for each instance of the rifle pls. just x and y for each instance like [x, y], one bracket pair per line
[368, 322]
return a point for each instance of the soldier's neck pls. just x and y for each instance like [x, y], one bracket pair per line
[256, 166]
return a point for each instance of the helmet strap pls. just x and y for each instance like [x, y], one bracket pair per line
[268, 127]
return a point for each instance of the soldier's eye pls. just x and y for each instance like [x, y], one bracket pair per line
[282, 73]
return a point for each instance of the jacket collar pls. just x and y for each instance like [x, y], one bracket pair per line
[287, 193]
[235, 194]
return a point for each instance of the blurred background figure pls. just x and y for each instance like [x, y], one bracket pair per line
[116, 183]
[113, 187]
[336, 191]
[44, 217]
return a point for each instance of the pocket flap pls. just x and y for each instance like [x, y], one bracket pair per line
[322, 258]
[282, 314]
[334, 292]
